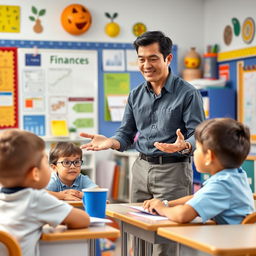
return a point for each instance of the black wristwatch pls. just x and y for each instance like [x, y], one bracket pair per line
[186, 150]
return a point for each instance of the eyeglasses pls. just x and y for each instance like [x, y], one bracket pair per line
[68, 163]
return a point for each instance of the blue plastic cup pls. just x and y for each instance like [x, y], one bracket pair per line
[94, 201]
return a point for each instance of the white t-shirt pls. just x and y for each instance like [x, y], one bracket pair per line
[24, 213]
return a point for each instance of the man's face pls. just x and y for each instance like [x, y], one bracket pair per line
[152, 64]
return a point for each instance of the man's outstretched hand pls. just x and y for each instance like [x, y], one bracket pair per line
[98, 142]
[178, 145]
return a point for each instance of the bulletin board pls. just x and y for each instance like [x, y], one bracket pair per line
[247, 96]
[8, 88]
[101, 125]
[58, 90]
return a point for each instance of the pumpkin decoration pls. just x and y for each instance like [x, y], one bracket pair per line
[76, 19]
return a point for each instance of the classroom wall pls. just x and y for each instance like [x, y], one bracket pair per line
[219, 13]
[182, 20]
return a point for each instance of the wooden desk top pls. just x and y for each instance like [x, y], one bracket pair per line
[215, 239]
[122, 212]
[91, 232]
[78, 204]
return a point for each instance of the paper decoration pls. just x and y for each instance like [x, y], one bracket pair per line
[9, 19]
[35, 124]
[8, 88]
[115, 84]
[248, 30]
[59, 128]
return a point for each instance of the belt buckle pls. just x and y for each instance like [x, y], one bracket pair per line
[160, 159]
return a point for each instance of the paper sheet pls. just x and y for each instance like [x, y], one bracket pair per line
[149, 216]
[141, 209]
[59, 128]
[99, 221]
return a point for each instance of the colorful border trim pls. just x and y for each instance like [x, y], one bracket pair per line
[237, 54]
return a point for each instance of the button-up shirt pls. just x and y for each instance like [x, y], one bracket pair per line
[82, 181]
[157, 117]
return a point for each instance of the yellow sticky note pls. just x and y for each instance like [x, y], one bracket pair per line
[9, 18]
[59, 128]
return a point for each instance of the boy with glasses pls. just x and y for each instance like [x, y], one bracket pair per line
[66, 180]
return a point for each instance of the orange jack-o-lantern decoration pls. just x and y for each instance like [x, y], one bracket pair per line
[76, 19]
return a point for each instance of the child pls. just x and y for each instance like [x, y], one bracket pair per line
[24, 205]
[222, 145]
[66, 181]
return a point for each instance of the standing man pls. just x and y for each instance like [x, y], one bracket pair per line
[164, 110]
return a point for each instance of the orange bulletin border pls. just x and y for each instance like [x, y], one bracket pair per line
[240, 93]
[9, 84]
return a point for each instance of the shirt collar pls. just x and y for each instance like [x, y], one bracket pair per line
[11, 190]
[168, 83]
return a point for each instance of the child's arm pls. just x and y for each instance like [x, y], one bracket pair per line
[180, 213]
[179, 201]
[68, 195]
[77, 218]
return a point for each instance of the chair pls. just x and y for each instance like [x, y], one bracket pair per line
[249, 219]
[11, 243]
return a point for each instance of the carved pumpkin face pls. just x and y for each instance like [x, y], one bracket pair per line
[76, 19]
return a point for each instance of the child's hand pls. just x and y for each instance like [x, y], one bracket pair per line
[72, 195]
[154, 206]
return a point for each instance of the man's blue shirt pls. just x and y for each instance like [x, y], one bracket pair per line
[82, 181]
[157, 117]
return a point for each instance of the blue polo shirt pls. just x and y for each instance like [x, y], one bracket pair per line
[82, 181]
[225, 197]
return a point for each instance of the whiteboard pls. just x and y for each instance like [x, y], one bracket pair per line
[58, 90]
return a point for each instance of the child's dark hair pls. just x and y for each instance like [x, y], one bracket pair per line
[64, 149]
[227, 138]
[150, 37]
[19, 152]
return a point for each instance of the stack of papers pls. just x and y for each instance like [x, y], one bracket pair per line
[204, 83]
[94, 221]
[146, 214]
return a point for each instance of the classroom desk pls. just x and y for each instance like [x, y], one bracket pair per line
[142, 228]
[77, 204]
[72, 241]
[221, 240]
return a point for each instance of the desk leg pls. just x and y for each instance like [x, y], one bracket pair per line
[149, 249]
[92, 247]
[178, 249]
[124, 241]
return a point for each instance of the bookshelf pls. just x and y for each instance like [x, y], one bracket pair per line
[121, 183]
[88, 168]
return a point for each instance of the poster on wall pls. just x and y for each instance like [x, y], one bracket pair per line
[246, 97]
[57, 85]
[8, 88]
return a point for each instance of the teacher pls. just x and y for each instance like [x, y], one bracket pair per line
[164, 111]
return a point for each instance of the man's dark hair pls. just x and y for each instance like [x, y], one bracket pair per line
[150, 37]
[227, 138]
[64, 149]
